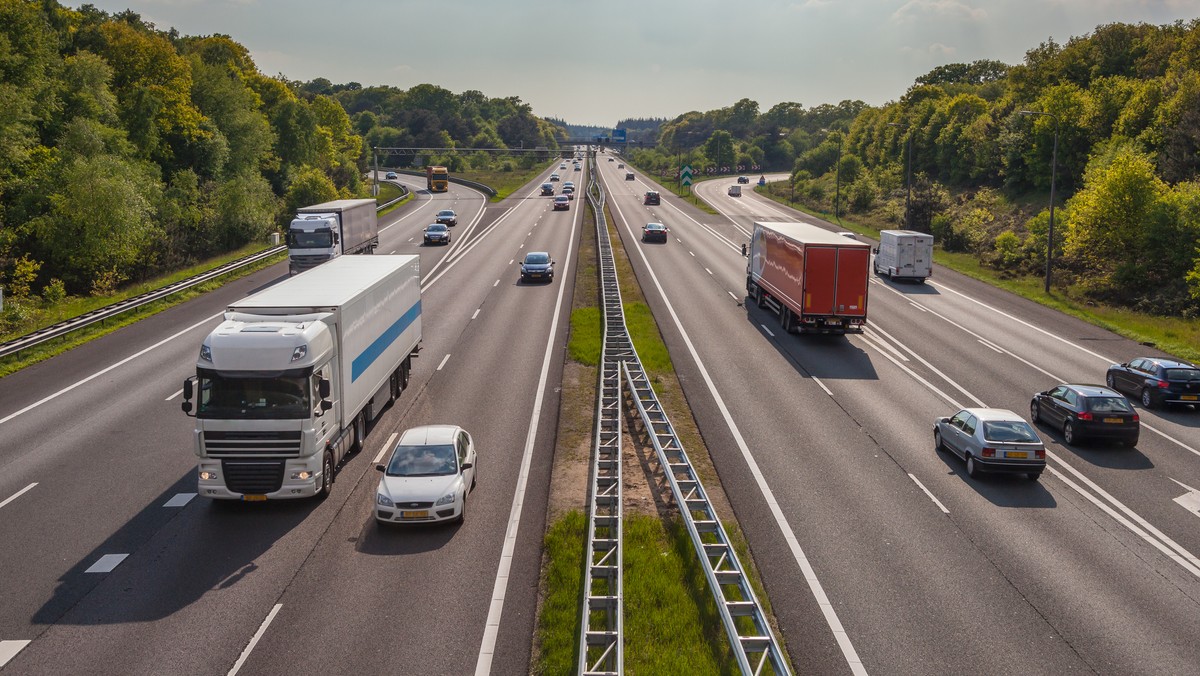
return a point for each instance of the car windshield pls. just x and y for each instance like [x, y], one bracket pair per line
[436, 227]
[261, 396]
[1108, 405]
[537, 259]
[432, 460]
[1185, 375]
[1009, 430]
[446, 214]
[317, 239]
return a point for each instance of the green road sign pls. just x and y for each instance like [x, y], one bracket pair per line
[685, 174]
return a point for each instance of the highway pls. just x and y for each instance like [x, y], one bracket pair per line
[108, 552]
[878, 553]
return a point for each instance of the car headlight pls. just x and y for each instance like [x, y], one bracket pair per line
[381, 499]
[446, 499]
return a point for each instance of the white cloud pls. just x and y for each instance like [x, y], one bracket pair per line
[914, 9]
[941, 50]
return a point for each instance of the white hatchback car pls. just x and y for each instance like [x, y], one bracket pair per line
[428, 476]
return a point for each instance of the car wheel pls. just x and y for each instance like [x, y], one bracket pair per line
[1069, 434]
[1147, 398]
[326, 476]
[938, 444]
[1130, 442]
[462, 515]
[1110, 381]
[972, 469]
[1034, 476]
[1035, 413]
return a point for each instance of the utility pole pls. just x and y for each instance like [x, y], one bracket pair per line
[1053, 175]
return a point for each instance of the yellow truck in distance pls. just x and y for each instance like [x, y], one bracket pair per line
[437, 179]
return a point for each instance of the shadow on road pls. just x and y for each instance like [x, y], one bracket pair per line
[1002, 490]
[825, 356]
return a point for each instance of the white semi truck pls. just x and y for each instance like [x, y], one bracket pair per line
[286, 384]
[325, 231]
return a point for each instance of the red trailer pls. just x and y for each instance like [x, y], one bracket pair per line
[814, 279]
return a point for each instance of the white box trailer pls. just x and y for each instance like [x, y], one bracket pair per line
[286, 383]
[904, 254]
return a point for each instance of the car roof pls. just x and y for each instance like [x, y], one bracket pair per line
[1093, 390]
[1170, 363]
[993, 414]
[427, 435]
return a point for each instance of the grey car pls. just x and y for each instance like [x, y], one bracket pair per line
[991, 440]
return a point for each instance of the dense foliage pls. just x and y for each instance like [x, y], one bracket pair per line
[1123, 103]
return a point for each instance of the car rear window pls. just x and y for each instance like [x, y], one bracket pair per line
[1108, 405]
[1009, 430]
[1186, 375]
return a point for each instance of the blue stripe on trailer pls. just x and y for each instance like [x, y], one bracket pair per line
[368, 356]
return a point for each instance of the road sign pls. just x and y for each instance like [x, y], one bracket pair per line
[618, 135]
[685, 174]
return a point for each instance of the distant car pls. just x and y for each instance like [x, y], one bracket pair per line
[629, 176]
[562, 203]
[654, 232]
[537, 265]
[569, 191]
[554, 177]
[743, 179]
[568, 184]
[563, 165]
[1086, 411]
[390, 175]
[620, 165]
[547, 189]
[651, 197]
[610, 159]
[991, 440]
[437, 233]
[427, 477]
[1157, 381]
[735, 190]
[578, 168]
[447, 217]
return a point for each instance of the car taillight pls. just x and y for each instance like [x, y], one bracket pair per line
[1162, 384]
[1085, 416]
[1040, 454]
[1136, 417]
[989, 452]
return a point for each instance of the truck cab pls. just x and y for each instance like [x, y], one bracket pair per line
[313, 239]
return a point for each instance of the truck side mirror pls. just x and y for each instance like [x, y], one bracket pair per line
[326, 405]
[336, 238]
[187, 407]
[187, 389]
[323, 388]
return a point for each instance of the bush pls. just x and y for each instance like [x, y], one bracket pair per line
[1008, 252]
[863, 193]
[54, 292]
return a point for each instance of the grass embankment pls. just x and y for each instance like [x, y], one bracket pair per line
[504, 183]
[1174, 335]
[389, 192]
[671, 621]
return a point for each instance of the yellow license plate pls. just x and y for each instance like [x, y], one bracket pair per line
[1189, 397]
[254, 498]
[1020, 455]
[421, 514]
[1114, 420]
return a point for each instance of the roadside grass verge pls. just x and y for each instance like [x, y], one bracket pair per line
[389, 192]
[504, 183]
[1174, 335]
[672, 186]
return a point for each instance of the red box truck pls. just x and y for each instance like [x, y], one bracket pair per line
[814, 279]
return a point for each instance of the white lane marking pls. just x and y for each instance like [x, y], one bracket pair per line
[174, 395]
[179, 500]
[497, 283]
[395, 250]
[106, 563]
[789, 535]
[511, 261]
[18, 494]
[410, 239]
[990, 346]
[487, 647]
[818, 381]
[929, 366]
[693, 254]
[679, 240]
[444, 360]
[9, 650]
[884, 344]
[764, 328]
[1190, 500]
[476, 314]
[262, 629]
[708, 271]
[919, 307]
[101, 372]
[386, 445]
[931, 495]
[732, 295]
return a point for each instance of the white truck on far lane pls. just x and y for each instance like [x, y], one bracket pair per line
[325, 231]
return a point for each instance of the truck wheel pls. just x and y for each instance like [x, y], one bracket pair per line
[360, 431]
[394, 386]
[405, 368]
[326, 476]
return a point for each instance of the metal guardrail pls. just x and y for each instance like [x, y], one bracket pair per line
[753, 643]
[601, 641]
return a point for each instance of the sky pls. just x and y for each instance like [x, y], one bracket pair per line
[595, 63]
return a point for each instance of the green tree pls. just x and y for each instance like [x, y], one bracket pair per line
[309, 186]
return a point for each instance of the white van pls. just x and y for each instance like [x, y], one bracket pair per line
[904, 254]
[735, 191]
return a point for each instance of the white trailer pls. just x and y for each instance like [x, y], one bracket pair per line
[904, 254]
[286, 384]
[322, 232]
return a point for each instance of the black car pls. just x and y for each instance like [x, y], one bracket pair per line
[629, 176]
[437, 233]
[1086, 411]
[652, 197]
[537, 265]
[547, 189]
[654, 232]
[1157, 381]
[743, 179]
[447, 217]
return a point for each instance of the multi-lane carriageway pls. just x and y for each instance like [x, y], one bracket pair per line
[877, 554]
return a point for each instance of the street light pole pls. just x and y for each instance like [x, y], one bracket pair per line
[1053, 175]
[837, 182]
[908, 196]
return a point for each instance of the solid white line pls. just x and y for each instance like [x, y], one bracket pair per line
[18, 494]
[918, 306]
[386, 445]
[990, 346]
[931, 496]
[884, 344]
[101, 372]
[476, 313]
[789, 535]
[497, 283]
[106, 563]
[444, 360]
[487, 647]
[9, 650]
[708, 271]
[818, 381]
[262, 629]
[174, 395]
[179, 500]
[731, 295]
[764, 328]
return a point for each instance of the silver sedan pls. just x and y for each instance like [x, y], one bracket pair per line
[991, 440]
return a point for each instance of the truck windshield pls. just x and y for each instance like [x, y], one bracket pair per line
[317, 239]
[272, 397]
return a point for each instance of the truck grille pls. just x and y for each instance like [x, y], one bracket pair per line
[256, 477]
[307, 262]
[252, 444]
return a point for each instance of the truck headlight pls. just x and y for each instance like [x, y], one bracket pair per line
[302, 475]
[300, 352]
[208, 475]
[446, 499]
[206, 353]
[381, 499]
